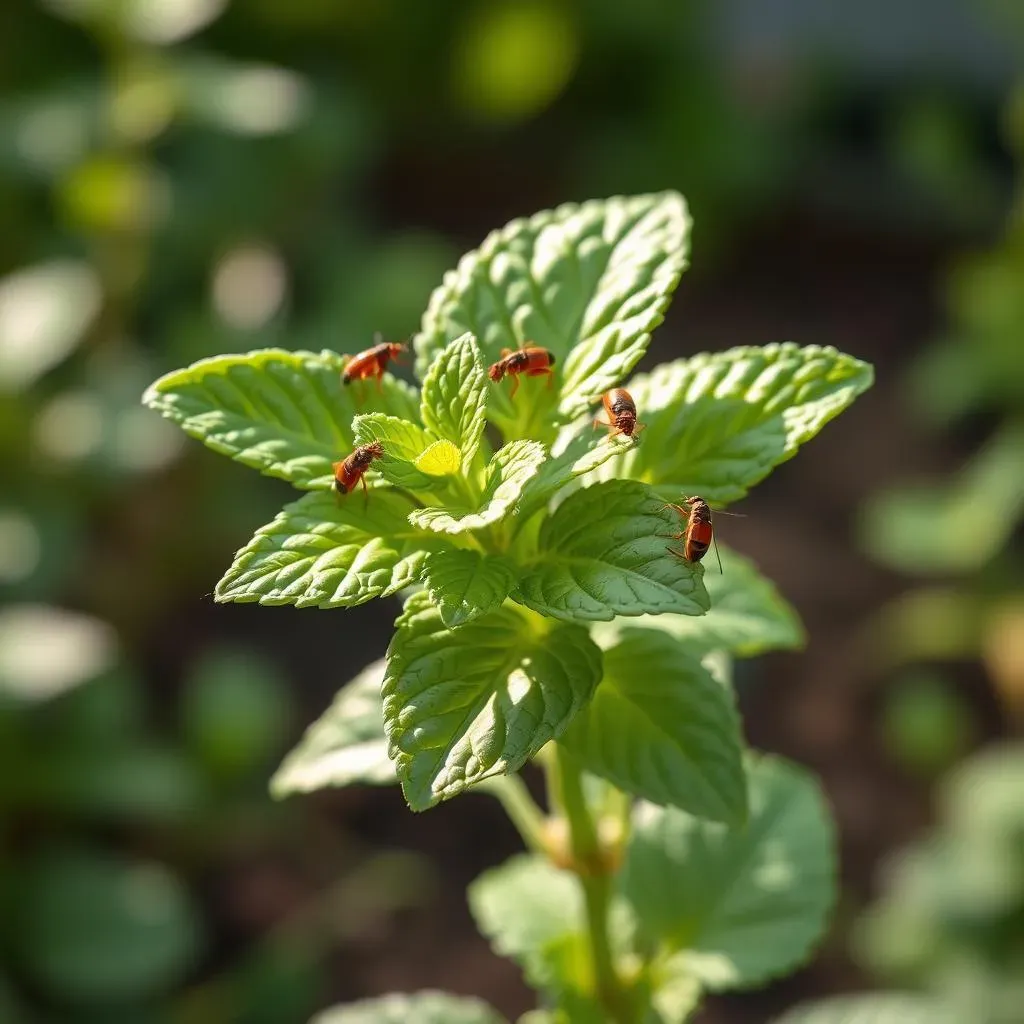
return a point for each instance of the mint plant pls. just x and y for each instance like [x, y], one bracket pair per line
[544, 619]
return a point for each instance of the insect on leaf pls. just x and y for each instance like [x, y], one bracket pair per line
[283, 413]
[604, 552]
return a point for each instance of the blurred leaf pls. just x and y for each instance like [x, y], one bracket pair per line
[1003, 651]
[422, 1008]
[739, 906]
[235, 711]
[748, 616]
[603, 552]
[508, 472]
[453, 403]
[871, 1008]
[244, 99]
[345, 746]
[115, 194]
[45, 311]
[462, 706]
[45, 651]
[926, 724]
[466, 584]
[95, 930]
[512, 59]
[719, 423]
[592, 280]
[150, 21]
[325, 551]
[956, 528]
[661, 728]
[283, 413]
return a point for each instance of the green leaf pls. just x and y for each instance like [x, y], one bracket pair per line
[660, 727]
[718, 423]
[326, 551]
[871, 1008]
[404, 444]
[739, 906]
[525, 906]
[604, 552]
[748, 615]
[593, 278]
[345, 746]
[283, 413]
[442, 458]
[454, 400]
[462, 706]
[466, 584]
[507, 474]
[422, 1008]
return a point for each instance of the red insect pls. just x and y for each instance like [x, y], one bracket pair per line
[372, 363]
[699, 533]
[531, 360]
[620, 409]
[349, 472]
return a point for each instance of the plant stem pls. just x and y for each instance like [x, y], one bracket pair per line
[566, 788]
[527, 817]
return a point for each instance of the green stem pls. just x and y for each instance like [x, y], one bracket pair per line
[566, 787]
[511, 792]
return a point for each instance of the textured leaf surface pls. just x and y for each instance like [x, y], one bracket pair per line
[466, 584]
[454, 402]
[604, 552]
[593, 278]
[404, 445]
[283, 413]
[871, 1008]
[718, 423]
[743, 905]
[660, 727]
[466, 705]
[524, 906]
[748, 615]
[346, 745]
[422, 1008]
[325, 551]
[508, 472]
[442, 458]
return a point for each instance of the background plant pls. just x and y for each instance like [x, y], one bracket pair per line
[554, 624]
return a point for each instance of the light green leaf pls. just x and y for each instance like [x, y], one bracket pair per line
[523, 907]
[442, 458]
[593, 279]
[283, 413]
[466, 584]
[404, 443]
[345, 746]
[675, 992]
[871, 1008]
[508, 472]
[604, 552]
[422, 1008]
[718, 423]
[660, 727]
[462, 706]
[454, 400]
[748, 615]
[739, 906]
[326, 551]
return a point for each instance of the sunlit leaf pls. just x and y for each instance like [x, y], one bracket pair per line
[405, 444]
[461, 706]
[592, 280]
[454, 397]
[283, 413]
[739, 906]
[328, 551]
[422, 1008]
[718, 423]
[508, 472]
[345, 746]
[604, 552]
[871, 1008]
[466, 584]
